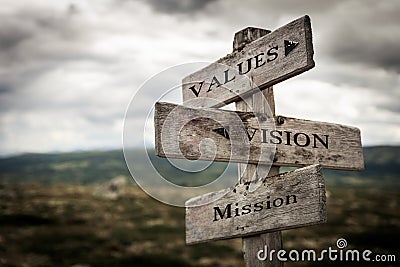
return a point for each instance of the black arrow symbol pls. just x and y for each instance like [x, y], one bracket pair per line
[289, 46]
[222, 131]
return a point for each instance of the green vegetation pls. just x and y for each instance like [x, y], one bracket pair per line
[382, 168]
[51, 216]
[66, 225]
[74, 168]
[94, 167]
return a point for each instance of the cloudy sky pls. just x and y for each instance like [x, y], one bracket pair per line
[68, 69]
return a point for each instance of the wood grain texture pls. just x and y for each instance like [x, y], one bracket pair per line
[248, 173]
[246, 36]
[274, 65]
[183, 132]
[285, 201]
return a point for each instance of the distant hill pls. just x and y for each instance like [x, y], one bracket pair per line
[382, 169]
[76, 167]
[94, 167]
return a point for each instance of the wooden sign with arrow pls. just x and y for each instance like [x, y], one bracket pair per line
[282, 54]
[295, 142]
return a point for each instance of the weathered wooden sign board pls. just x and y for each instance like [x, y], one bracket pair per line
[279, 202]
[296, 142]
[284, 53]
[285, 201]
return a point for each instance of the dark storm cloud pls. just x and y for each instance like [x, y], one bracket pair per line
[30, 33]
[381, 54]
[369, 36]
[391, 105]
[12, 34]
[4, 88]
[347, 31]
[35, 41]
[305, 6]
[351, 32]
[72, 68]
[178, 6]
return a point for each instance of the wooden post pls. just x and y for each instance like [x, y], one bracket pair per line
[252, 244]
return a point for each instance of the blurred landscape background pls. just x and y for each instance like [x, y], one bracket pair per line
[84, 209]
[68, 72]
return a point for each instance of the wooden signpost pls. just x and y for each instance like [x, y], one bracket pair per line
[279, 201]
[298, 142]
[274, 57]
